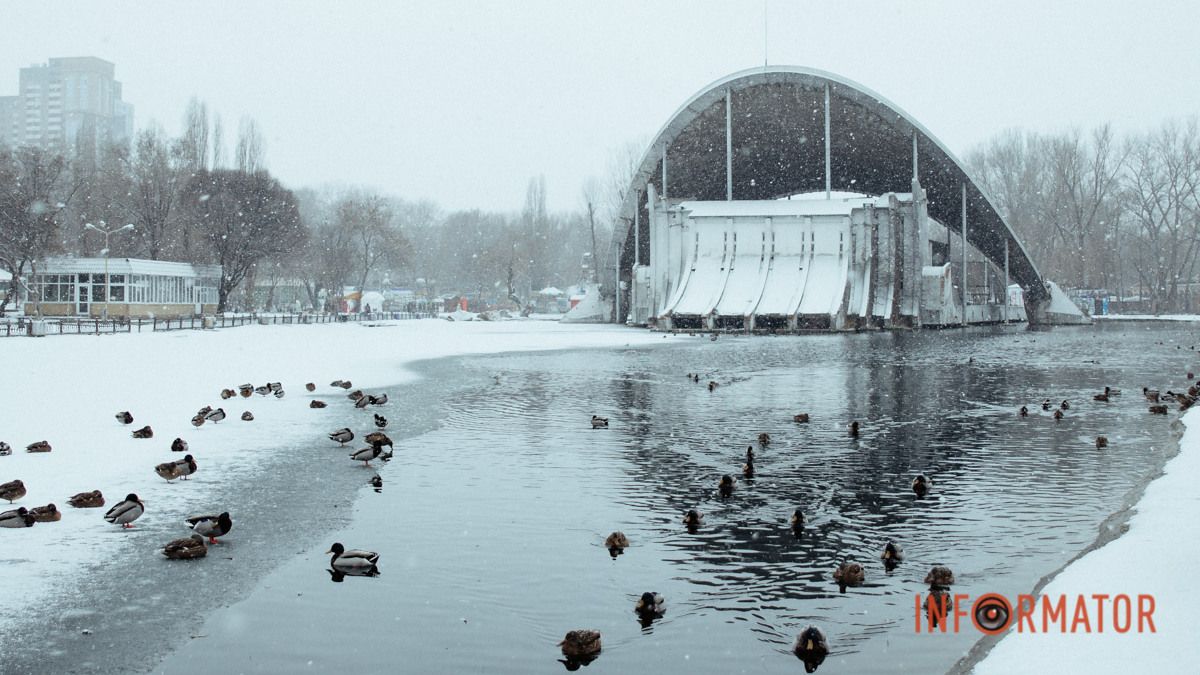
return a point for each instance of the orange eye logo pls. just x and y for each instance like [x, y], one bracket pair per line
[991, 614]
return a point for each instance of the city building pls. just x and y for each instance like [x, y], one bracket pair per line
[64, 102]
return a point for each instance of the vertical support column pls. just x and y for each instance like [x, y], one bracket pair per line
[828, 170]
[637, 228]
[964, 254]
[916, 177]
[728, 145]
[617, 300]
[1006, 279]
[664, 172]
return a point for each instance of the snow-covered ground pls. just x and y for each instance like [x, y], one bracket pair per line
[1148, 317]
[66, 390]
[1153, 557]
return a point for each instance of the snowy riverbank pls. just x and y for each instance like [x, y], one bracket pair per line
[66, 390]
[1153, 557]
[1147, 317]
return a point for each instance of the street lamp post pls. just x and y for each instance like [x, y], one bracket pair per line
[106, 234]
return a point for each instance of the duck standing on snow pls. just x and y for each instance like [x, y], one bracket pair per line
[245, 390]
[124, 417]
[381, 399]
[179, 445]
[18, 517]
[367, 454]
[46, 514]
[362, 403]
[355, 395]
[124, 513]
[227, 394]
[317, 404]
[12, 490]
[87, 500]
[343, 435]
[198, 420]
[310, 386]
[263, 390]
[39, 446]
[378, 437]
[181, 468]
[380, 422]
[247, 416]
[188, 548]
[5, 449]
[215, 416]
[144, 432]
[211, 526]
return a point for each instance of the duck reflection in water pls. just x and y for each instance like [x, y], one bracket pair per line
[337, 575]
[377, 483]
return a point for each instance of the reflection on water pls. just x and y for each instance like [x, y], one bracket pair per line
[498, 532]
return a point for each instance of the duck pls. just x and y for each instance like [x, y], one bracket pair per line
[1112, 391]
[849, 574]
[318, 404]
[275, 387]
[940, 576]
[263, 390]
[1024, 412]
[599, 422]
[693, 518]
[712, 385]
[1158, 410]
[1101, 442]
[144, 432]
[345, 385]
[937, 606]
[725, 486]
[179, 445]
[748, 469]
[377, 482]
[46, 514]
[355, 395]
[87, 500]
[352, 559]
[335, 383]
[651, 603]
[378, 437]
[1191, 375]
[1150, 394]
[1045, 404]
[581, 644]
[215, 416]
[1058, 413]
[800, 418]
[211, 526]
[247, 416]
[128, 510]
[227, 394]
[188, 548]
[811, 647]
[246, 390]
[39, 446]
[764, 439]
[124, 417]
[616, 543]
[921, 484]
[362, 403]
[892, 553]
[797, 519]
[278, 394]
[198, 420]
[854, 429]
[18, 517]
[696, 378]
[367, 454]
[5, 449]
[12, 490]
[1103, 398]
[381, 399]
[1065, 405]
[181, 468]
[380, 422]
[310, 386]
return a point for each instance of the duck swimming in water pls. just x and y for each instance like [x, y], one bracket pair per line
[764, 439]
[87, 500]
[811, 647]
[651, 603]
[12, 490]
[1024, 411]
[940, 576]
[188, 548]
[693, 519]
[849, 574]
[892, 555]
[599, 422]
[124, 513]
[921, 484]
[5, 449]
[1101, 442]
[854, 429]
[351, 559]
[616, 543]
[211, 526]
[800, 418]
[1045, 404]
[725, 486]
[581, 644]
[1058, 414]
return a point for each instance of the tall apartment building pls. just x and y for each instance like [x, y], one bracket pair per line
[60, 100]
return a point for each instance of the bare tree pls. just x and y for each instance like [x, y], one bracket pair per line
[194, 143]
[375, 239]
[250, 153]
[156, 173]
[33, 191]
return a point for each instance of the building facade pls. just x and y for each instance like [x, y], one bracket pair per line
[136, 288]
[64, 102]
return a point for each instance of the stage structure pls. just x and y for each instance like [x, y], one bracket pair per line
[785, 198]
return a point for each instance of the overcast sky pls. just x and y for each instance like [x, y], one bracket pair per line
[461, 102]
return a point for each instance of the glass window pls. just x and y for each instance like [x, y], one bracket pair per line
[117, 293]
[117, 279]
[97, 292]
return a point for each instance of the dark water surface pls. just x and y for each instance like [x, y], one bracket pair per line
[491, 526]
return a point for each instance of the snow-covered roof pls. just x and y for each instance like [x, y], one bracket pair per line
[161, 268]
[550, 290]
[779, 207]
